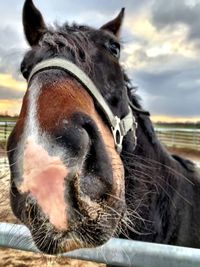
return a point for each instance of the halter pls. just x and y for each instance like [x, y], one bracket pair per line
[119, 127]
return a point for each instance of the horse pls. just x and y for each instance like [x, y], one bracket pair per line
[85, 162]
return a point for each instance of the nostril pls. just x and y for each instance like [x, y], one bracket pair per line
[94, 187]
[75, 139]
[88, 206]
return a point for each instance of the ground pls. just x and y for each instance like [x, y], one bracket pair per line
[12, 258]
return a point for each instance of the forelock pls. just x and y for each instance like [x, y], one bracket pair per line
[74, 38]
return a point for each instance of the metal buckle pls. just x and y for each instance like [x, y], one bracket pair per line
[119, 133]
[134, 129]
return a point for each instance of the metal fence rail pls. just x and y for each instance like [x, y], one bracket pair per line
[183, 138]
[116, 252]
[5, 130]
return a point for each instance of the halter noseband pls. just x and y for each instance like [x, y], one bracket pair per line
[119, 127]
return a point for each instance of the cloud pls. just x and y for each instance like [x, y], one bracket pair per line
[11, 88]
[171, 90]
[9, 37]
[6, 80]
[163, 63]
[177, 12]
[10, 94]
[12, 49]
[10, 61]
[68, 9]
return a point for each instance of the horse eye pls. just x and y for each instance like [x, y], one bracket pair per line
[114, 49]
[25, 73]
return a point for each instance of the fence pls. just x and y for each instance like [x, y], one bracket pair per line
[176, 137]
[116, 252]
[5, 130]
[181, 138]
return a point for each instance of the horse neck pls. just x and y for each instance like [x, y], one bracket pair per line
[153, 182]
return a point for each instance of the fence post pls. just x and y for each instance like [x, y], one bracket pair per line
[173, 138]
[5, 130]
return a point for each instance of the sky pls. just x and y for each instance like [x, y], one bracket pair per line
[161, 48]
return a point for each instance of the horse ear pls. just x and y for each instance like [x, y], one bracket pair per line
[115, 24]
[34, 25]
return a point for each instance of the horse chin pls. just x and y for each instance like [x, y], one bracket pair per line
[54, 246]
[75, 241]
[54, 242]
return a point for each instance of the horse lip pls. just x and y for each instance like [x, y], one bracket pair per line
[68, 241]
[73, 242]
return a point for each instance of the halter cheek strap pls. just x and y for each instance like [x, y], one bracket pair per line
[119, 127]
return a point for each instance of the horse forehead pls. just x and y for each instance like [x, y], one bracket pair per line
[67, 94]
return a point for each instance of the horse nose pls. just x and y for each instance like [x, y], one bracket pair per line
[43, 179]
[46, 177]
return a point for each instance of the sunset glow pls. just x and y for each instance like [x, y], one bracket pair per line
[174, 119]
[10, 107]
[6, 80]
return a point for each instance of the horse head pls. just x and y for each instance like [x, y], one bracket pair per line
[67, 177]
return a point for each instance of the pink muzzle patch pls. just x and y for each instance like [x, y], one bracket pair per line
[43, 178]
